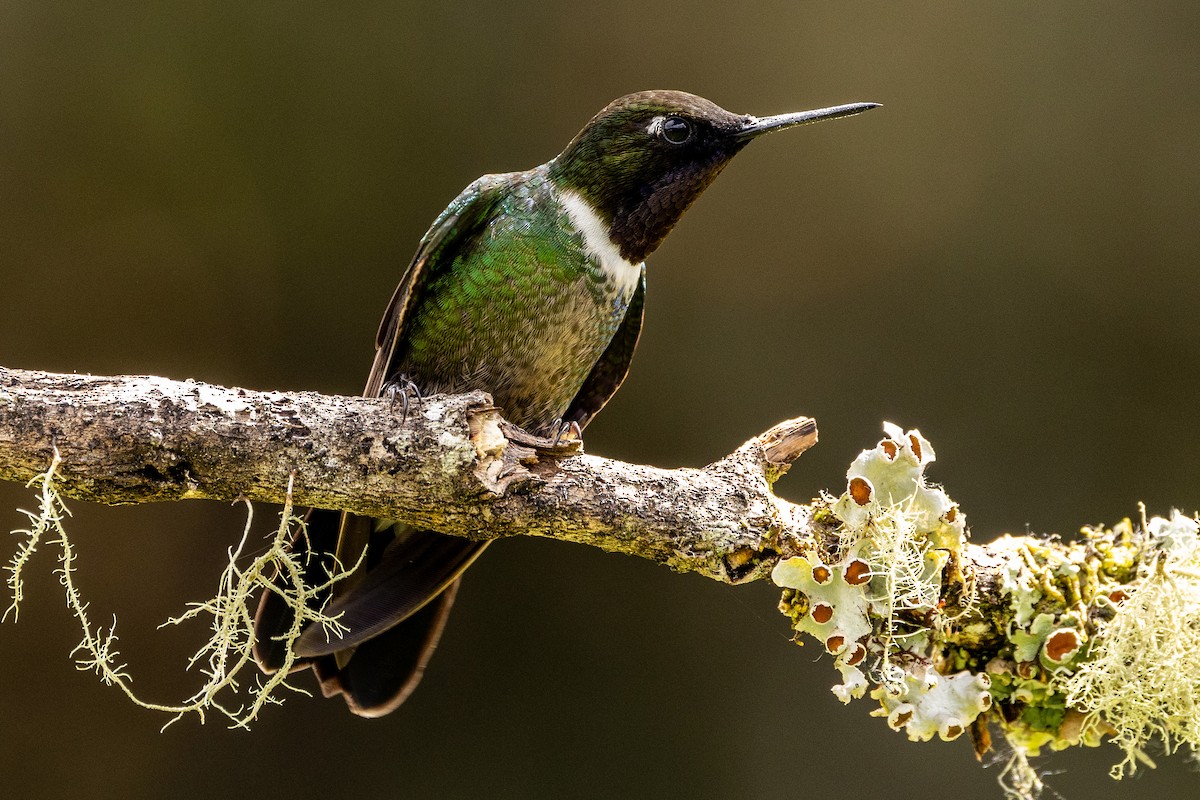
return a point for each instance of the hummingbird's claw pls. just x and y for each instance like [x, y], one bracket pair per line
[562, 432]
[402, 387]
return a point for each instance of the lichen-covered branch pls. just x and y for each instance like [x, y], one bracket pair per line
[1052, 643]
[1056, 643]
[452, 463]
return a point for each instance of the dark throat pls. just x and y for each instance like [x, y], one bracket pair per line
[643, 218]
[640, 211]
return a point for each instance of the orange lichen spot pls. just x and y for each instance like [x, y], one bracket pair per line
[953, 732]
[902, 719]
[1061, 645]
[952, 514]
[857, 572]
[916, 448]
[821, 573]
[860, 490]
[1026, 669]
[1117, 596]
[835, 644]
[856, 655]
[822, 613]
[890, 449]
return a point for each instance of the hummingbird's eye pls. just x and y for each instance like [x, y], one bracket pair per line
[676, 130]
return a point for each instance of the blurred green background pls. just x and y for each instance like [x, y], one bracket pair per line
[1004, 257]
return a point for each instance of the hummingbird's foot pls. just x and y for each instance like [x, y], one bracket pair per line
[562, 432]
[403, 388]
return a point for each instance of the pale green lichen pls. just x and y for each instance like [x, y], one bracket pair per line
[906, 529]
[897, 535]
[837, 602]
[1105, 641]
[888, 480]
[1026, 644]
[47, 519]
[1055, 642]
[854, 683]
[836, 612]
[1142, 676]
[1058, 596]
[227, 655]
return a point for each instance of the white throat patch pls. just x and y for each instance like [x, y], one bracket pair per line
[624, 274]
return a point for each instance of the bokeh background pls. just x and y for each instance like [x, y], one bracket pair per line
[1004, 256]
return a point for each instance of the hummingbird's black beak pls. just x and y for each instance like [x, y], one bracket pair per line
[756, 126]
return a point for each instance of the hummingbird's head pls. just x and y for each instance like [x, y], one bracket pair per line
[645, 158]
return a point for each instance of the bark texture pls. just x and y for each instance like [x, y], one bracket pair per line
[451, 464]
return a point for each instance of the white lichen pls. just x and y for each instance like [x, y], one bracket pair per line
[1178, 537]
[931, 705]
[1142, 674]
[1019, 780]
[907, 531]
[853, 686]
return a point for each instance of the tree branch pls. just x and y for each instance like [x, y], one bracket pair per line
[1058, 643]
[452, 463]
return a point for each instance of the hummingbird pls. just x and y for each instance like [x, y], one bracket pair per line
[529, 286]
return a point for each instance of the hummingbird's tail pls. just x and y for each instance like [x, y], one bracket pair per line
[383, 671]
[394, 613]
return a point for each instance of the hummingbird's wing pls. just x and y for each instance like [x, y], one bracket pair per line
[419, 565]
[396, 611]
[610, 371]
[450, 232]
